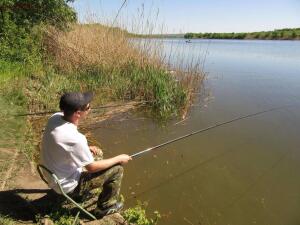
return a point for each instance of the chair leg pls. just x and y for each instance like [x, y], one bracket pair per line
[79, 206]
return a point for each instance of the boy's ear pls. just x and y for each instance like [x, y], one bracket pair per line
[77, 113]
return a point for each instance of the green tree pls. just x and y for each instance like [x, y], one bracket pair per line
[274, 35]
[18, 19]
[31, 12]
[189, 35]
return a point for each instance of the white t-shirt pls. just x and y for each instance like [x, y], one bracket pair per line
[64, 151]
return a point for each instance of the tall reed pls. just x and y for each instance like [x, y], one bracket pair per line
[116, 66]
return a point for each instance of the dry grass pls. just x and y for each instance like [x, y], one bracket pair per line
[86, 46]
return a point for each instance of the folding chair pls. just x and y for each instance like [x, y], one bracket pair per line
[41, 169]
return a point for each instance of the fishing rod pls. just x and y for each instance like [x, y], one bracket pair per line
[137, 154]
[93, 108]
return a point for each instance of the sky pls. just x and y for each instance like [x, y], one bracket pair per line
[182, 16]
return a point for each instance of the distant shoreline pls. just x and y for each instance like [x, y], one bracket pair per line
[282, 34]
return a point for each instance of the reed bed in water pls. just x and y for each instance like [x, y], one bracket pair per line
[117, 67]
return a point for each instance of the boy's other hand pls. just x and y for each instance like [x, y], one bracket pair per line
[96, 151]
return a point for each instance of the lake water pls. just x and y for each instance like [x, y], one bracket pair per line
[246, 172]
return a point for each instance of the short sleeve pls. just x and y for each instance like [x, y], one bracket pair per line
[80, 153]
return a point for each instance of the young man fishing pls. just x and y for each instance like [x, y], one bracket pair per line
[65, 152]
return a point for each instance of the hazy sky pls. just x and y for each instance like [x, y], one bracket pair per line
[180, 16]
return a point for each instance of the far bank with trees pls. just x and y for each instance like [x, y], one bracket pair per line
[281, 34]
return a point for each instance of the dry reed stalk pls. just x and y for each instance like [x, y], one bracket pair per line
[86, 46]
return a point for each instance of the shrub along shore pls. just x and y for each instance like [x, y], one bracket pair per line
[44, 52]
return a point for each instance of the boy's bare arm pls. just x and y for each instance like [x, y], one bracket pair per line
[106, 163]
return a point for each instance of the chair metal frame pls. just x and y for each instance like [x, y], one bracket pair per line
[56, 180]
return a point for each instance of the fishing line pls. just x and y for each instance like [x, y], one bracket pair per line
[275, 164]
[183, 173]
[137, 154]
[259, 178]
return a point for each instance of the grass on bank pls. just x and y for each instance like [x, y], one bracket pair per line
[4, 220]
[137, 215]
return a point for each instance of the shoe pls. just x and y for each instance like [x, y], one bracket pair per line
[99, 213]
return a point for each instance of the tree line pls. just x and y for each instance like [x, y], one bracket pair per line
[280, 34]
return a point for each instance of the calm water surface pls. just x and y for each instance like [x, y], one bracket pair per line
[246, 172]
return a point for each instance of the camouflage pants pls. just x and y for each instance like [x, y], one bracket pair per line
[108, 180]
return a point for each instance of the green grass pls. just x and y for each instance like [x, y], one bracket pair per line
[4, 220]
[137, 215]
[12, 129]
[9, 70]
[42, 91]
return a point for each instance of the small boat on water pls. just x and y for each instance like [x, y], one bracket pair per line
[188, 41]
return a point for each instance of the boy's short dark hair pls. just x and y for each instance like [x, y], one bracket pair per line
[71, 102]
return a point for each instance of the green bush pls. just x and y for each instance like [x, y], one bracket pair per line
[19, 40]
